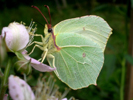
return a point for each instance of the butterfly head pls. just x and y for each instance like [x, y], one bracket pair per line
[50, 30]
[49, 26]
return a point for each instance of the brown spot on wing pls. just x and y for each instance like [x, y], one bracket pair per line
[84, 28]
[83, 55]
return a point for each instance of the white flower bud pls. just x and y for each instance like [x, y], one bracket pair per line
[16, 36]
[19, 89]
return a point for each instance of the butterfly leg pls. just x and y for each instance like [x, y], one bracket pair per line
[37, 35]
[35, 42]
[44, 55]
[35, 47]
[50, 56]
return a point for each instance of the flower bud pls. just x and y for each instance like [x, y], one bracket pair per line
[2, 49]
[19, 89]
[23, 66]
[16, 36]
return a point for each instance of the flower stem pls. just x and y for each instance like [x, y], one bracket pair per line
[4, 80]
[123, 63]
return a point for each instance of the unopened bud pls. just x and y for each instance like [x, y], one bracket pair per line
[16, 36]
[23, 66]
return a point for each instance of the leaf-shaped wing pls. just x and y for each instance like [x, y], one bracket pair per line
[79, 61]
[82, 42]
[93, 27]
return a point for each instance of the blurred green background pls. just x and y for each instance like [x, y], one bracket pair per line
[115, 12]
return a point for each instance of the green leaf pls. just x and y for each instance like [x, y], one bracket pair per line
[129, 58]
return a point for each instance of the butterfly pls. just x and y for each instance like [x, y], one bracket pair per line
[75, 47]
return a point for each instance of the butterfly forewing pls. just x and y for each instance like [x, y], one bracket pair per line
[93, 27]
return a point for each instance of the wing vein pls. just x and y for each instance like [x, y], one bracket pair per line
[77, 67]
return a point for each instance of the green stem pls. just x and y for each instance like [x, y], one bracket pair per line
[1, 73]
[122, 79]
[4, 80]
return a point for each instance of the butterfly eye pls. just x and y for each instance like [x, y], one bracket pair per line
[49, 30]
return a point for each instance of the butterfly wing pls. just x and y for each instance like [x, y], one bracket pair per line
[82, 42]
[93, 27]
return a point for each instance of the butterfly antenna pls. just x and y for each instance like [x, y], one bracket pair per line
[48, 12]
[41, 13]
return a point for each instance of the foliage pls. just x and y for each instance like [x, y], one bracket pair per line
[109, 81]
